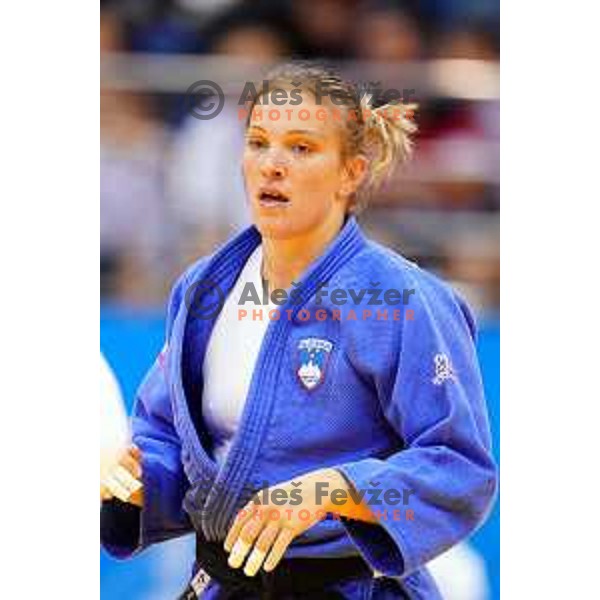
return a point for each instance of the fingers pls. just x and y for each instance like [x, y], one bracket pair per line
[262, 546]
[124, 481]
[247, 535]
[247, 513]
[116, 488]
[127, 479]
[131, 461]
[284, 539]
[105, 493]
[259, 540]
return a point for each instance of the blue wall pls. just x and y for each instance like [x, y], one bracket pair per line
[130, 342]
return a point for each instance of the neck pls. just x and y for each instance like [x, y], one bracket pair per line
[285, 260]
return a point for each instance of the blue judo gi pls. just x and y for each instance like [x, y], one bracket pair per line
[394, 403]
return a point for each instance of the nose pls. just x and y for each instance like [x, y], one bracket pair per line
[273, 166]
[278, 172]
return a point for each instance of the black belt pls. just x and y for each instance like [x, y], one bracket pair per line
[300, 577]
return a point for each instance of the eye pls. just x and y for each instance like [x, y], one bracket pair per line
[301, 148]
[256, 143]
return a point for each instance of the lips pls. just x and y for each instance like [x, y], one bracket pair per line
[272, 197]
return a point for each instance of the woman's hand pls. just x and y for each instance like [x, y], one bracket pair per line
[263, 532]
[124, 481]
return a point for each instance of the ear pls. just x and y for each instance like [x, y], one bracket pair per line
[354, 172]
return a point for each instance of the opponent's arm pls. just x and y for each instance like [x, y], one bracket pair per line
[155, 512]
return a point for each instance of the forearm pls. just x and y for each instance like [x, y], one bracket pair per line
[348, 506]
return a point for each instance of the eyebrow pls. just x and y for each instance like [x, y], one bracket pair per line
[257, 127]
[291, 132]
[304, 132]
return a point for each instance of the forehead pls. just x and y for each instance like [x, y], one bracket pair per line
[282, 112]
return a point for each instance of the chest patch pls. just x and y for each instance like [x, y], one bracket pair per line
[313, 356]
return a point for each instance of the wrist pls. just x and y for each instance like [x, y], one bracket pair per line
[335, 481]
[349, 507]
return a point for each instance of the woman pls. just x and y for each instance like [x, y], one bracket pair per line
[333, 448]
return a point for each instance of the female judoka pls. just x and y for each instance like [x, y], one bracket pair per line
[334, 441]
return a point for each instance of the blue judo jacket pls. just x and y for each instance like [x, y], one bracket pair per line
[393, 399]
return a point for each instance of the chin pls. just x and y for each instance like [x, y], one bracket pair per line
[277, 226]
[278, 229]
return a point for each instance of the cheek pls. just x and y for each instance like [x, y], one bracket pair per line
[320, 175]
[249, 167]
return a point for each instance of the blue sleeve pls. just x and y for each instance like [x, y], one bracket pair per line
[126, 529]
[431, 393]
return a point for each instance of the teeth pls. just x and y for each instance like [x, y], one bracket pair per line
[272, 196]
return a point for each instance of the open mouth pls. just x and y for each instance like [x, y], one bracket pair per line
[272, 198]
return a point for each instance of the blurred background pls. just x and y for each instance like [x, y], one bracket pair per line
[171, 186]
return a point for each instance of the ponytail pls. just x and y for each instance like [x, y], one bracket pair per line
[387, 138]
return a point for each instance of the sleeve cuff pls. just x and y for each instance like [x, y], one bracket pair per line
[120, 527]
[125, 528]
[162, 516]
[381, 544]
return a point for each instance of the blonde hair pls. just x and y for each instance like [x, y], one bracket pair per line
[383, 134]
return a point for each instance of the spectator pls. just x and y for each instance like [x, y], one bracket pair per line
[325, 27]
[386, 33]
[134, 221]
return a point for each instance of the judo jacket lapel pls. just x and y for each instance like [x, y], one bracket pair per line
[216, 494]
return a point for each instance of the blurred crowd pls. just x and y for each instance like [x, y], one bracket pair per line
[171, 185]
